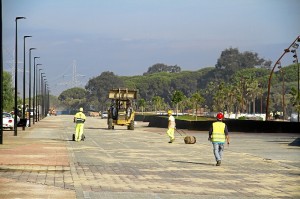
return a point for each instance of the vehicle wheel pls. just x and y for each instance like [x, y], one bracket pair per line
[110, 126]
[131, 126]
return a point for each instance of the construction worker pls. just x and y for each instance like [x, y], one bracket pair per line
[79, 119]
[218, 134]
[171, 126]
[128, 109]
[27, 118]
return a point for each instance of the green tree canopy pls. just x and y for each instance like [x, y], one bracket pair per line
[8, 92]
[99, 87]
[197, 101]
[157, 68]
[141, 104]
[74, 98]
[177, 97]
[231, 60]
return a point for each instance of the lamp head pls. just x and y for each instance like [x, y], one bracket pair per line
[295, 45]
[20, 18]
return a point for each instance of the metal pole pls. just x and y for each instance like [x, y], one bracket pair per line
[1, 76]
[297, 62]
[298, 97]
[33, 106]
[44, 100]
[37, 89]
[283, 90]
[283, 93]
[34, 93]
[16, 79]
[298, 88]
[24, 91]
[48, 100]
[30, 85]
[40, 95]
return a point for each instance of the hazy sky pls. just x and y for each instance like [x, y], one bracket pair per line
[128, 36]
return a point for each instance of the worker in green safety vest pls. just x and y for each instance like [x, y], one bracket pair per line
[79, 119]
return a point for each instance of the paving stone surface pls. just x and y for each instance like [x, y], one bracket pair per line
[44, 162]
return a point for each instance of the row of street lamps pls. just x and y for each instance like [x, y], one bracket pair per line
[39, 100]
[292, 48]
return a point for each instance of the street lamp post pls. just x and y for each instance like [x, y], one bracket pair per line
[270, 77]
[40, 95]
[43, 97]
[283, 90]
[1, 76]
[297, 62]
[48, 100]
[16, 78]
[30, 85]
[34, 88]
[24, 72]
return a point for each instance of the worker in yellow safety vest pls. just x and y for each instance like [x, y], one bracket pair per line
[218, 134]
[171, 127]
[79, 119]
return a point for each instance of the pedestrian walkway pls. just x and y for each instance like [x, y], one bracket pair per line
[44, 162]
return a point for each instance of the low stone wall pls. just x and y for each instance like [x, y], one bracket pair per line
[233, 125]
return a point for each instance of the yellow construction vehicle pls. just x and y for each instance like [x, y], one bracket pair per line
[121, 110]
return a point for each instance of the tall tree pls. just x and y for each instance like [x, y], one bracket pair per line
[252, 92]
[197, 100]
[157, 68]
[142, 104]
[73, 98]
[177, 97]
[8, 92]
[295, 99]
[231, 60]
[99, 87]
[157, 102]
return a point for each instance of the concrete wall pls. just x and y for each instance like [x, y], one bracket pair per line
[233, 125]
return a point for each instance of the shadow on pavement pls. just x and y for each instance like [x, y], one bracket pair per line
[188, 162]
[296, 142]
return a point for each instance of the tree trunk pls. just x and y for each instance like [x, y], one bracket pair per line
[196, 111]
[254, 106]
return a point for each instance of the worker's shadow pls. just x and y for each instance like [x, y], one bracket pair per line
[96, 128]
[189, 162]
[296, 142]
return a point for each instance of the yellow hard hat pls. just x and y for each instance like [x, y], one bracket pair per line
[81, 109]
[169, 112]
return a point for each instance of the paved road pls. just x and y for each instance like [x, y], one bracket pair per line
[43, 162]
